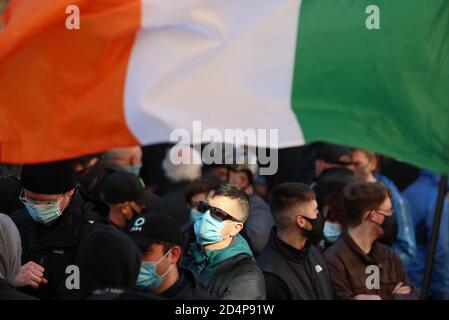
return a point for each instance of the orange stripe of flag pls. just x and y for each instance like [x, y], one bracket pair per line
[62, 91]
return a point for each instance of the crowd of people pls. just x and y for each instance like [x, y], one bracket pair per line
[90, 228]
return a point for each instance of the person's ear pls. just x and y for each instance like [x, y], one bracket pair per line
[301, 221]
[175, 254]
[71, 192]
[237, 227]
[372, 216]
[125, 208]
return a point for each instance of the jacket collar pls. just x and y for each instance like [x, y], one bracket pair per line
[375, 255]
[287, 250]
[215, 257]
[205, 262]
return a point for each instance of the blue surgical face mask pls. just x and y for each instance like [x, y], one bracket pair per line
[195, 215]
[148, 277]
[331, 231]
[44, 213]
[132, 168]
[208, 229]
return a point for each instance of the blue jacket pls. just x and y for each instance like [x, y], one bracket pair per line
[405, 245]
[422, 196]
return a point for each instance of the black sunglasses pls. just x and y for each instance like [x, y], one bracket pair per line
[215, 212]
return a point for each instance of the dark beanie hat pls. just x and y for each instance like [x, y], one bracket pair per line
[108, 258]
[49, 178]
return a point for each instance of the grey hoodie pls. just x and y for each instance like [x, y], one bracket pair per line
[10, 249]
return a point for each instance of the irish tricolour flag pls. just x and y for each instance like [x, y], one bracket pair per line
[372, 74]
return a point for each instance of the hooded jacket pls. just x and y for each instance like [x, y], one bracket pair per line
[10, 251]
[230, 273]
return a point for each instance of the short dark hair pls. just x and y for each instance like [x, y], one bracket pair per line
[360, 197]
[202, 185]
[228, 190]
[283, 196]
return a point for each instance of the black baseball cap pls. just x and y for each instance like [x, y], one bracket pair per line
[149, 228]
[120, 187]
[334, 153]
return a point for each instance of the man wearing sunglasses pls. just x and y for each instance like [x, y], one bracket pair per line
[362, 268]
[55, 219]
[221, 256]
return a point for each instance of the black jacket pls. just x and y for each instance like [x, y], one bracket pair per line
[8, 292]
[238, 278]
[294, 274]
[54, 246]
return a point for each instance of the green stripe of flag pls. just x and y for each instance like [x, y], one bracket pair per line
[385, 90]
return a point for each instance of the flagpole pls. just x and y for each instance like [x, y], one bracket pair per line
[434, 236]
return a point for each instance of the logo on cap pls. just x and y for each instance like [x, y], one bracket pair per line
[137, 224]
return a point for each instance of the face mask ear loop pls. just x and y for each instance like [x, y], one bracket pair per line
[168, 270]
[66, 205]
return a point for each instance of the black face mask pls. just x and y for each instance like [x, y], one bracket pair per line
[90, 180]
[390, 228]
[316, 233]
